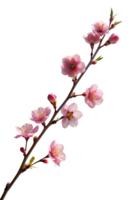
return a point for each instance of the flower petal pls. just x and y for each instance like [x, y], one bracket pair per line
[81, 67]
[77, 114]
[17, 136]
[64, 109]
[93, 88]
[90, 103]
[73, 106]
[47, 110]
[73, 122]
[65, 122]
[35, 129]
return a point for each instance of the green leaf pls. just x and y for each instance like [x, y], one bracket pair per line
[111, 14]
[99, 58]
[118, 22]
[32, 159]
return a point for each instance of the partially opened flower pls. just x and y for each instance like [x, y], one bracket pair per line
[71, 115]
[92, 38]
[72, 66]
[56, 153]
[112, 39]
[26, 131]
[93, 96]
[100, 28]
[40, 115]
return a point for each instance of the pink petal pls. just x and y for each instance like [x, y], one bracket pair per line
[65, 122]
[53, 144]
[59, 147]
[16, 137]
[90, 103]
[18, 129]
[73, 123]
[81, 66]
[78, 114]
[47, 111]
[73, 107]
[72, 73]
[58, 167]
[62, 157]
[51, 155]
[66, 61]
[100, 100]
[93, 88]
[76, 58]
[36, 129]
[87, 91]
[65, 69]
[64, 109]
[26, 135]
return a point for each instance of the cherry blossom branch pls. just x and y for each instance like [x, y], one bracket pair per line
[53, 121]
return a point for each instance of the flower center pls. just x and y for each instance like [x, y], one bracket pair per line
[26, 129]
[72, 66]
[99, 28]
[93, 96]
[56, 152]
[41, 114]
[70, 115]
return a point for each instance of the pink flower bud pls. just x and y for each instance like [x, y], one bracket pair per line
[46, 162]
[7, 184]
[22, 149]
[112, 26]
[94, 62]
[52, 98]
[113, 39]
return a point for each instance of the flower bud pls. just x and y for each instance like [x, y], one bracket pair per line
[112, 26]
[7, 183]
[112, 40]
[46, 162]
[52, 98]
[22, 149]
[94, 62]
[35, 138]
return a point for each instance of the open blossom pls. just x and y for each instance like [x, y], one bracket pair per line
[112, 40]
[56, 153]
[92, 38]
[93, 96]
[72, 115]
[26, 131]
[72, 66]
[40, 115]
[100, 28]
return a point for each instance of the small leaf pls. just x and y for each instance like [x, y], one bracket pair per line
[111, 14]
[99, 58]
[118, 22]
[32, 159]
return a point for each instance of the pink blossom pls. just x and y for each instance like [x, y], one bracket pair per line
[93, 96]
[72, 66]
[52, 98]
[72, 115]
[113, 39]
[92, 38]
[40, 115]
[100, 28]
[56, 153]
[26, 131]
